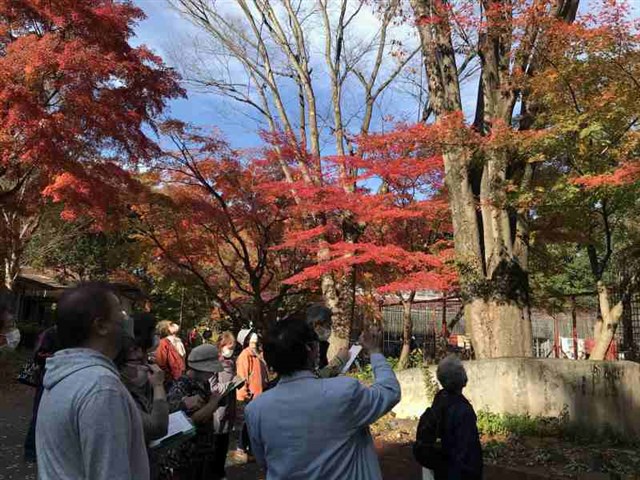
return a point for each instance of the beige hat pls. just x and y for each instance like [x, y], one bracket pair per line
[204, 358]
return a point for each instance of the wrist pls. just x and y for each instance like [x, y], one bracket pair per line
[159, 391]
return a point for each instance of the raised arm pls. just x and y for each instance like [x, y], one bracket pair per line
[368, 404]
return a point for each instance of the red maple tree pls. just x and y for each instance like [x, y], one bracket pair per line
[398, 207]
[74, 96]
[204, 213]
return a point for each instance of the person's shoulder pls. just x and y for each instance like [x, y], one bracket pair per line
[262, 402]
[104, 379]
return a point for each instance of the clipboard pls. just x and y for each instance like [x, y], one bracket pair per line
[180, 430]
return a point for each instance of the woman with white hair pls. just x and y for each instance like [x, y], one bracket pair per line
[447, 440]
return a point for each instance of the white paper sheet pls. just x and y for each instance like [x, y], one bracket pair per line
[353, 354]
[178, 423]
[427, 474]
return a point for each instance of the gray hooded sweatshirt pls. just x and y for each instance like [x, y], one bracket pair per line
[89, 427]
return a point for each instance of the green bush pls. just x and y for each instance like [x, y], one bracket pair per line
[365, 374]
[494, 424]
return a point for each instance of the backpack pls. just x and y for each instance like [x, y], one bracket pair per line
[427, 450]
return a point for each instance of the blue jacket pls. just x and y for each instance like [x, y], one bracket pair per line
[308, 428]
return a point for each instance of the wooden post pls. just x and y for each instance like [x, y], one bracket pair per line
[556, 337]
[574, 327]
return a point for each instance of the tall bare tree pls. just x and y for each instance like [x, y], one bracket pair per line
[262, 54]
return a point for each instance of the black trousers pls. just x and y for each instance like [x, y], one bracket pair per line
[221, 447]
[243, 440]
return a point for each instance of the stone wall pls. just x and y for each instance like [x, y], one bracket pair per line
[595, 394]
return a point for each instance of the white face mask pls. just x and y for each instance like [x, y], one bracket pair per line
[13, 339]
[227, 352]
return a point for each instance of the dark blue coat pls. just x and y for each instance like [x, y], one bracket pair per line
[451, 420]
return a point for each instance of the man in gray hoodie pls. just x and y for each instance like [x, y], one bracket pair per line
[88, 425]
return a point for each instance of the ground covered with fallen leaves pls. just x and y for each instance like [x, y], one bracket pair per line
[506, 456]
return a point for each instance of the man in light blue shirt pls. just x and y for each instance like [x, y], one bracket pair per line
[308, 428]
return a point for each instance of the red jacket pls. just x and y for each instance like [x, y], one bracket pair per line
[169, 360]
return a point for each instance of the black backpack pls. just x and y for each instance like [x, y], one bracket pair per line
[427, 448]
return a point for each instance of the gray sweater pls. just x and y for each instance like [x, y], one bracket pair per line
[89, 427]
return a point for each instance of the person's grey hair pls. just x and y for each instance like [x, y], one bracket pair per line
[451, 374]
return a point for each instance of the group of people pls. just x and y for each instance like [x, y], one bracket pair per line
[110, 387]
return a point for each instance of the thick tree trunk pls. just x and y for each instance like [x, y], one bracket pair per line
[490, 237]
[407, 332]
[610, 320]
[497, 329]
[340, 319]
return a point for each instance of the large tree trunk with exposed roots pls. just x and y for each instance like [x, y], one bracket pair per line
[490, 236]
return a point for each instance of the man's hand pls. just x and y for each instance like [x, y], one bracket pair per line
[195, 402]
[215, 397]
[343, 355]
[371, 340]
[156, 376]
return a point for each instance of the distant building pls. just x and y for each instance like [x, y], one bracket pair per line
[36, 293]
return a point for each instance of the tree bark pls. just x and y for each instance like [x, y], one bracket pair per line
[610, 320]
[491, 251]
[407, 331]
[498, 329]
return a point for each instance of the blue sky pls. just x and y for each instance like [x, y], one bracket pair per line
[165, 31]
[168, 34]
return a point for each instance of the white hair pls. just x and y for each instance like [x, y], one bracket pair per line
[451, 374]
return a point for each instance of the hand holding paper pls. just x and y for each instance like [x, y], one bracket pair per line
[353, 354]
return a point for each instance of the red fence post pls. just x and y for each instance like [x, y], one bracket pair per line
[444, 314]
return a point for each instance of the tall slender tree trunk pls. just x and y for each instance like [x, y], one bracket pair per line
[335, 294]
[11, 270]
[407, 331]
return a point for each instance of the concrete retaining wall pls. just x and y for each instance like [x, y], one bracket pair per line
[593, 393]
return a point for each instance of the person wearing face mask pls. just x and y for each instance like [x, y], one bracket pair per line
[174, 329]
[253, 369]
[167, 356]
[319, 318]
[146, 383]
[192, 393]
[89, 426]
[225, 416]
[9, 334]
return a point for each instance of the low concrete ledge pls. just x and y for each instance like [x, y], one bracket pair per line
[595, 394]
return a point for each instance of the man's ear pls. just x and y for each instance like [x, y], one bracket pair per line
[100, 326]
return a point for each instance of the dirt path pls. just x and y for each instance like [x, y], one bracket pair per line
[15, 414]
